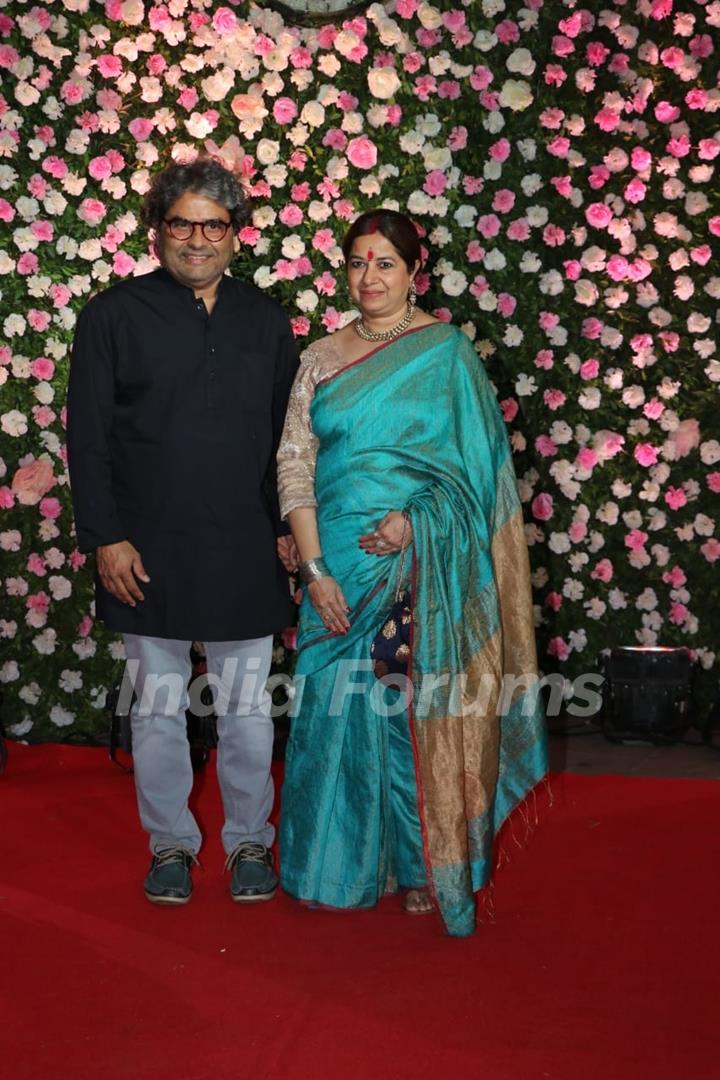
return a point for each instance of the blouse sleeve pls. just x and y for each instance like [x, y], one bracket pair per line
[298, 446]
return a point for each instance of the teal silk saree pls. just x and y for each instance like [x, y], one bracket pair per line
[383, 786]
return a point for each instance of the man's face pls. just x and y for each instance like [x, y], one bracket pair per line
[196, 262]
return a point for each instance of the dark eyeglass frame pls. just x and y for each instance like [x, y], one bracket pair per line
[173, 223]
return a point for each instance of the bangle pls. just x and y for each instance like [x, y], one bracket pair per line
[312, 570]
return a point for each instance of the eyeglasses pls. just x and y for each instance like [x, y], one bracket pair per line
[213, 230]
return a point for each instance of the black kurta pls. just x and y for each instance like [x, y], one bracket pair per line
[174, 417]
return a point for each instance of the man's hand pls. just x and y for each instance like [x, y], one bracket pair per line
[287, 553]
[118, 567]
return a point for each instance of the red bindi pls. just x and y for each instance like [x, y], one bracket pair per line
[370, 255]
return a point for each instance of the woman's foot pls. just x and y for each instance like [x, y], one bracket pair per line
[418, 902]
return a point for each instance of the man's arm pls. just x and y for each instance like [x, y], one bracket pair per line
[91, 394]
[286, 365]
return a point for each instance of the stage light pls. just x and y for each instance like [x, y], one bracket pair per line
[647, 694]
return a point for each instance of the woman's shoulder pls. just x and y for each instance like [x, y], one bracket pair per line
[319, 357]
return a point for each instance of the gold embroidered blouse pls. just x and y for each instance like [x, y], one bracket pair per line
[298, 448]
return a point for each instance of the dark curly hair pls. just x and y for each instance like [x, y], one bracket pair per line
[394, 226]
[204, 176]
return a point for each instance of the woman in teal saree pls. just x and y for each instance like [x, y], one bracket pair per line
[396, 476]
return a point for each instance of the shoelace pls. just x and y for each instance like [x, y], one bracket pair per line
[248, 852]
[178, 854]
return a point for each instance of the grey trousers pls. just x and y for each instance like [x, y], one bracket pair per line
[237, 672]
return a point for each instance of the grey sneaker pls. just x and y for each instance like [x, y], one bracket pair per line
[168, 880]
[253, 874]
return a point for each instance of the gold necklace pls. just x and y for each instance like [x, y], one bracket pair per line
[385, 335]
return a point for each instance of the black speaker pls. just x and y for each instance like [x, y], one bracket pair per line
[647, 694]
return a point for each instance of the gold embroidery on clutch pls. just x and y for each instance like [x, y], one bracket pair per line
[389, 629]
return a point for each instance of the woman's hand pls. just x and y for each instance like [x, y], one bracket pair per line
[392, 534]
[327, 598]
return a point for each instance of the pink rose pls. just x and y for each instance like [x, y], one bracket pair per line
[558, 647]
[503, 201]
[607, 119]
[509, 408]
[607, 444]
[42, 368]
[635, 191]
[653, 409]
[32, 481]
[598, 215]
[666, 113]
[92, 211]
[685, 438]
[589, 369]
[542, 507]
[123, 264]
[675, 498]
[35, 565]
[109, 66]
[586, 458]
[554, 601]
[7, 499]
[713, 482]
[602, 571]
[636, 539]
[545, 359]
[506, 304]
[39, 320]
[300, 326]
[50, 508]
[545, 446]
[362, 152]
[488, 225]
[284, 110]
[675, 577]
[678, 614]
[645, 454]
[577, 531]
[711, 549]
[28, 263]
[554, 399]
[224, 20]
[84, 626]
[500, 150]
[140, 128]
[435, 182]
[291, 215]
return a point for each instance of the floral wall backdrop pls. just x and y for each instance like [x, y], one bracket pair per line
[562, 162]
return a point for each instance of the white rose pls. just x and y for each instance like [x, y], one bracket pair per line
[9, 672]
[559, 542]
[454, 283]
[586, 292]
[313, 114]
[465, 216]
[437, 158]
[307, 300]
[525, 385]
[520, 62]
[14, 423]
[494, 260]
[61, 717]
[267, 151]
[383, 82]
[531, 183]
[430, 18]
[530, 263]
[516, 95]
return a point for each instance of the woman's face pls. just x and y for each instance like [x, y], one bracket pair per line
[378, 277]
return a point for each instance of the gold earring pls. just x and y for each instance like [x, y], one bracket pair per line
[412, 294]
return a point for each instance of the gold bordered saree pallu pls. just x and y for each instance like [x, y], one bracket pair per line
[414, 425]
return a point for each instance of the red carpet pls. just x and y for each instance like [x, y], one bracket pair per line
[602, 962]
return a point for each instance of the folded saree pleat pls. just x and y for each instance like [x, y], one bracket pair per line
[415, 425]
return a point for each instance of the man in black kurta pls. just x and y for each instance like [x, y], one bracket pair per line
[178, 390]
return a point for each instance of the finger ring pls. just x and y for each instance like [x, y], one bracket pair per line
[381, 544]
